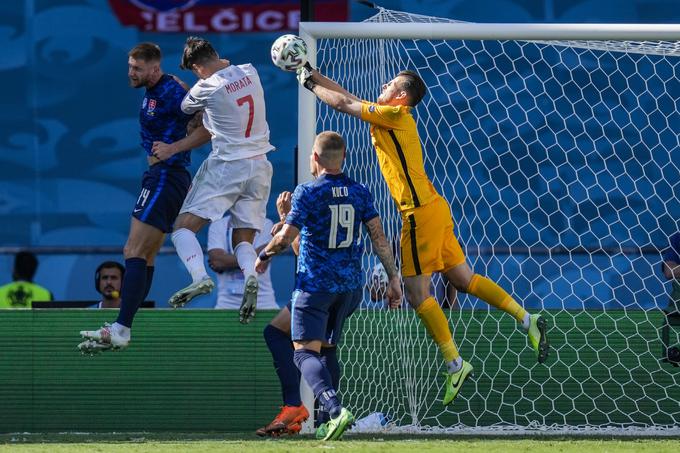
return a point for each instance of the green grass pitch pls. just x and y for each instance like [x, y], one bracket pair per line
[106, 443]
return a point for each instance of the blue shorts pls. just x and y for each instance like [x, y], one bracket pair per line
[162, 195]
[321, 316]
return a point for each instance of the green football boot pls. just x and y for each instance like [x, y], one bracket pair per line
[538, 337]
[336, 426]
[321, 431]
[454, 381]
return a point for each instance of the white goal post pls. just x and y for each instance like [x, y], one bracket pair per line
[558, 149]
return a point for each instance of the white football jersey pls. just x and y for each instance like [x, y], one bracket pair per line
[230, 283]
[235, 114]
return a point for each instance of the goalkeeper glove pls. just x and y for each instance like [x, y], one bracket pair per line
[304, 76]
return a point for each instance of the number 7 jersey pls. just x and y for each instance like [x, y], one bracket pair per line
[329, 212]
[234, 112]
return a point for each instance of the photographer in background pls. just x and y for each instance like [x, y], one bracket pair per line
[108, 279]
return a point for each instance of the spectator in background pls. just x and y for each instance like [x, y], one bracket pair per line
[107, 281]
[230, 277]
[671, 270]
[22, 292]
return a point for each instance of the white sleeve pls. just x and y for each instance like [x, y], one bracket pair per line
[196, 98]
[217, 234]
[264, 236]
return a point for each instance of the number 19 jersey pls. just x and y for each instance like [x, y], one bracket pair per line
[234, 112]
[329, 212]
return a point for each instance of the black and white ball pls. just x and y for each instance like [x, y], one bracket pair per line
[289, 52]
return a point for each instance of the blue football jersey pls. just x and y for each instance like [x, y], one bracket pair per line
[162, 119]
[329, 212]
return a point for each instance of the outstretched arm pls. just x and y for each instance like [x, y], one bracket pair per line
[329, 92]
[328, 83]
[381, 247]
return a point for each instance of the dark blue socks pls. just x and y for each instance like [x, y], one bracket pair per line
[132, 290]
[279, 345]
[329, 358]
[149, 279]
[318, 377]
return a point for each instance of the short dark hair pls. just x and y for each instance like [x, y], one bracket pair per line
[25, 265]
[146, 51]
[413, 85]
[330, 147]
[197, 51]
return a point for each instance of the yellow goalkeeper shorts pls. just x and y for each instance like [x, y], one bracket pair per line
[427, 241]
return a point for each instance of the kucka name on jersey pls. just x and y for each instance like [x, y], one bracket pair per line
[340, 192]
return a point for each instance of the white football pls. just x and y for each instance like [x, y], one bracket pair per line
[289, 52]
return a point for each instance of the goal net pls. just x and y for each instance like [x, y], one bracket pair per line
[561, 163]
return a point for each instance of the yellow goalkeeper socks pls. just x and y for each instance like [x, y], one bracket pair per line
[437, 326]
[491, 293]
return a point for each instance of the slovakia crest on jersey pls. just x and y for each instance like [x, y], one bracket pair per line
[152, 105]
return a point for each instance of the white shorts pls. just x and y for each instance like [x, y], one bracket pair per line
[240, 186]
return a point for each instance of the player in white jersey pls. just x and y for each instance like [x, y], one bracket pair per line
[235, 177]
[229, 277]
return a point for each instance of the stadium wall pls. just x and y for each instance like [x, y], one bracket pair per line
[201, 371]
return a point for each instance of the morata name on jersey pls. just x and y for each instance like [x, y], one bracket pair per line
[239, 84]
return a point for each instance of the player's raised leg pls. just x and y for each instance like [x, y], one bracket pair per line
[151, 263]
[430, 313]
[245, 256]
[190, 252]
[464, 280]
[142, 245]
[248, 216]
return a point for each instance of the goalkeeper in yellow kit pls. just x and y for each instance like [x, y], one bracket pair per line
[427, 241]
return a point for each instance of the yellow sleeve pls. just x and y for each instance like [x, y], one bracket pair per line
[386, 116]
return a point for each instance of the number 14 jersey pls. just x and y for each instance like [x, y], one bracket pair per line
[329, 212]
[234, 112]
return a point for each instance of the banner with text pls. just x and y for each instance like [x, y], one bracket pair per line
[219, 16]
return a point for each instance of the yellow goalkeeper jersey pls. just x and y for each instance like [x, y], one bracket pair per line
[400, 155]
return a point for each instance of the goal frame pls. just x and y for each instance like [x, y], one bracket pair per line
[311, 32]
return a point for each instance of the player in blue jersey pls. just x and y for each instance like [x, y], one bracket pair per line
[164, 186]
[327, 214]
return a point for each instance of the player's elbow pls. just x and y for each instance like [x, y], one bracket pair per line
[187, 109]
[342, 103]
